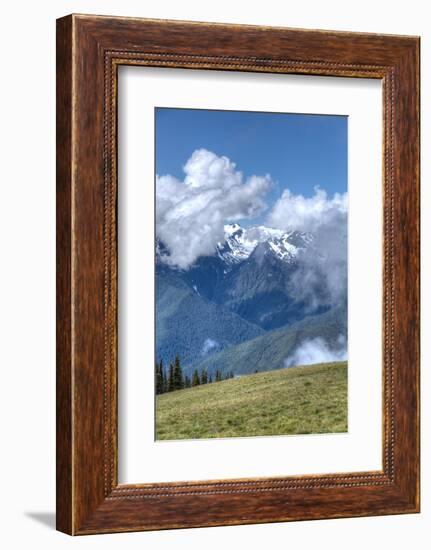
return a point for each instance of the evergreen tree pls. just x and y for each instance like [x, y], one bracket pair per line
[195, 379]
[204, 377]
[187, 382]
[157, 378]
[218, 376]
[178, 382]
[165, 379]
[171, 386]
[161, 377]
[210, 379]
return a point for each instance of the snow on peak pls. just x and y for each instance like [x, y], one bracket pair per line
[240, 242]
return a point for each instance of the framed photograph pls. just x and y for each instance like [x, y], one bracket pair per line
[237, 274]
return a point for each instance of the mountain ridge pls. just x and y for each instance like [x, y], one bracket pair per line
[240, 293]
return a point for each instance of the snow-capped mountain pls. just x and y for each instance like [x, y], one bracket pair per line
[242, 290]
[249, 273]
[241, 242]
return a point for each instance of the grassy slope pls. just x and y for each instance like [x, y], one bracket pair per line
[300, 400]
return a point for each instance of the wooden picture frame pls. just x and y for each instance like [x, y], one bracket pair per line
[89, 51]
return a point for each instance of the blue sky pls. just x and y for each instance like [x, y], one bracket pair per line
[298, 151]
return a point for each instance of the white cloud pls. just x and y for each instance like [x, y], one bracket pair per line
[209, 345]
[295, 212]
[317, 350]
[321, 276]
[190, 214]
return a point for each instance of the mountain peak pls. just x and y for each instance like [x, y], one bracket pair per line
[241, 242]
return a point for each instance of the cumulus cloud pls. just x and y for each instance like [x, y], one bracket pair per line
[190, 214]
[320, 279]
[317, 350]
[309, 214]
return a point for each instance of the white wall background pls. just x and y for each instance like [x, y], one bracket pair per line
[27, 279]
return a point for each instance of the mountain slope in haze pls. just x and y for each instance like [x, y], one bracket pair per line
[191, 326]
[260, 289]
[270, 350]
[250, 274]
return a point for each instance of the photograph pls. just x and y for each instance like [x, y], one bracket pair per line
[251, 277]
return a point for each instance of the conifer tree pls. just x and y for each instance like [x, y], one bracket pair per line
[165, 379]
[171, 378]
[195, 379]
[204, 377]
[210, 379]
[187, 382]
[157, 378]
[218, 376]
[161, 377]
[178, 382]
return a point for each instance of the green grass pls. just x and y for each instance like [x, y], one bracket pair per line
[301, 400]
